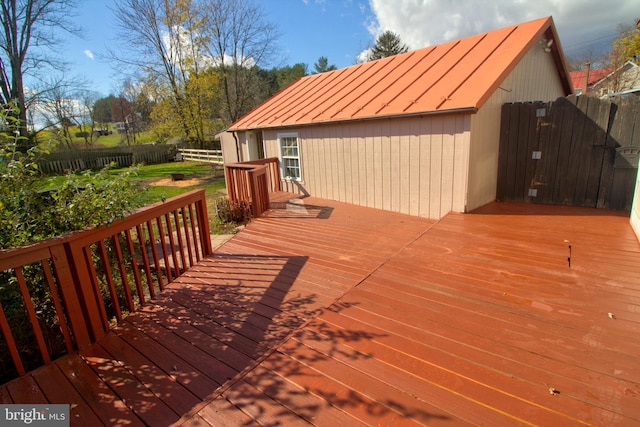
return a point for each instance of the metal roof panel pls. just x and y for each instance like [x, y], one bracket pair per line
[460, 74]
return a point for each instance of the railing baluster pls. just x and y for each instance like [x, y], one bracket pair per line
[11, 343]
[172, 246]
[110, 283]
[31, 312]
[53, 292]
[179, 238]
[185, 223]
[163, 248]
[134, 265]
[196, 245]
[97, 295]
[124, 281]
[156, 260]
[145, 260]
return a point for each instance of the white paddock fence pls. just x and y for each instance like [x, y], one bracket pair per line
[208, 156]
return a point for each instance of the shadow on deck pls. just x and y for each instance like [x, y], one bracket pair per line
[331, 314]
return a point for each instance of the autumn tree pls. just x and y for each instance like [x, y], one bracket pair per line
[152, 31]
[387, 44]
[168, 44]
[627, 46]
[323, 66]
[27, 36]
[624, 49]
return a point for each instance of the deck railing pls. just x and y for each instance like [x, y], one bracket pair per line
[66, 292]
[252, 181]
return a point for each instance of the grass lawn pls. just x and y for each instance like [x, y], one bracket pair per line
[158, 185]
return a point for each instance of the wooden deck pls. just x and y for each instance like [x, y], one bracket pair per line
[331, 314]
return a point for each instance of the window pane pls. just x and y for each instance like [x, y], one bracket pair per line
[291, 168]
[290, 157]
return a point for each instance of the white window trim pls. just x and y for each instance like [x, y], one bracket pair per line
[281, 158]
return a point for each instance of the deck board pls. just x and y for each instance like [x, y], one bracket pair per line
[329, 314]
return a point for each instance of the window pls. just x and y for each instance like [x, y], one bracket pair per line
[289, 156]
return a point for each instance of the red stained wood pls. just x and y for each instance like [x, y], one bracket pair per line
[163, 385]
[99, 397]
[142, 401]
[331, 314]
[57, 389]
[26, 390]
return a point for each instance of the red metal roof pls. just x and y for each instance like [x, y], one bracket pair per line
[577, 77]
[458, 75]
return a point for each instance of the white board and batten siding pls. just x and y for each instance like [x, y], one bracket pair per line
[412, 165]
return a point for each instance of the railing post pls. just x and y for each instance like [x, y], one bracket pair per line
[203, 225]
[69, 294]
[90, 303]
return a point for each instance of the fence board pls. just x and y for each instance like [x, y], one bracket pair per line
[588, 152]
[97, 158]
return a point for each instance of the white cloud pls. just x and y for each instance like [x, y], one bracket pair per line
[88, 54]
[421, 23]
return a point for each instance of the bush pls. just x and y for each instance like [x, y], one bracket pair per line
[228, 211]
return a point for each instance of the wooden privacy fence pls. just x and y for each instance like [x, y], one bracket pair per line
[579, 151]
[65, 293]
[97, 158]
[252, 181]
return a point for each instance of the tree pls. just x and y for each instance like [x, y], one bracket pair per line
[102, 110]
[59, 107]
[28, 27]
[323, 66]
[289, 74]
[387, 44]
[627, 46]
[240, 41]
[166, 43]
[152, 33]
[624, 49]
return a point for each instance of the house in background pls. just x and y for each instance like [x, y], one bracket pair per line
[588, 78]
[623, 81]
[416, 133]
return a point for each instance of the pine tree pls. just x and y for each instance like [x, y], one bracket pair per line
[388, 44]
[323, 65]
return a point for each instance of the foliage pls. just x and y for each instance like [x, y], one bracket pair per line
[627, 46]
[91, 199]
[322, 66]
[387, 44]
[25, 40]
[27, 214]
[103, 110]
[228, 211]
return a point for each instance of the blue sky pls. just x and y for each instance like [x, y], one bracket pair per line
[342, 29]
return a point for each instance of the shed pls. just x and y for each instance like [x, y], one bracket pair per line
[416, 133]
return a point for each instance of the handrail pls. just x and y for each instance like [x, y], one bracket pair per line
[71, 289]
[252, 181]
